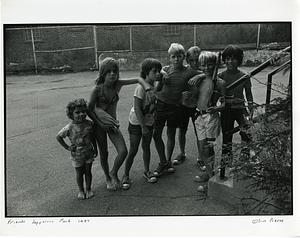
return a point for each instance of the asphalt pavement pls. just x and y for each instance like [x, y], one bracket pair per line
[40, 180]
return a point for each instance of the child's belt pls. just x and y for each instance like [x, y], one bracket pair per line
[199, 112]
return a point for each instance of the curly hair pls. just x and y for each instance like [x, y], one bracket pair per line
[80, 102]
[105, 66]
[233, 51]
[147, 65]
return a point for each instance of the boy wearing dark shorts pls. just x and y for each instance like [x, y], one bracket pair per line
[235, 109]
[169, 109]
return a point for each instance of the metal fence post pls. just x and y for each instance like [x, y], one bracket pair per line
[195, 35]
[258, 36]
[95, 45]
[33, 50]
[130, 38]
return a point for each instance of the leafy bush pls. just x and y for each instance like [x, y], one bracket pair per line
[270, 167]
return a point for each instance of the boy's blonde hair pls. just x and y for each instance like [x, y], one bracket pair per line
[207, 56]
[176, 48]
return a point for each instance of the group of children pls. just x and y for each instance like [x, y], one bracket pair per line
[165, 96]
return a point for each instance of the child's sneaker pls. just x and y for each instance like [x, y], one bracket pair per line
[202, 188]
[81, 195]
[203, 177]
[169, 167]
[89, 194]
[201, 164]
[126, 182]
[150, 177]
[160, 169]
[179, 159]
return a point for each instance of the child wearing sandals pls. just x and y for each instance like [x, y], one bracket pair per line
[141, 120]
[83, 146]
[102, 109]
[169, 109]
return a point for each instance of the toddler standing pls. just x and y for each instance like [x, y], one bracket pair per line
[83, 146]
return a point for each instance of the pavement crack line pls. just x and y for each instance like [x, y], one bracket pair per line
[28, 132]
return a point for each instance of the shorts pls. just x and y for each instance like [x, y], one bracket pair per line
[208, 126]
[185, 116]
[83, 155]
[81, 162]
[137, 129]
[169, 114]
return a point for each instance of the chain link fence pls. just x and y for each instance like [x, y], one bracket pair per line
[48, 48]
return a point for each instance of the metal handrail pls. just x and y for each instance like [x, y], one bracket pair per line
[270, 77]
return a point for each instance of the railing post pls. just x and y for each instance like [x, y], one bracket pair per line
[195, 35]
[130, 38]
[258, 36]
[268, 95]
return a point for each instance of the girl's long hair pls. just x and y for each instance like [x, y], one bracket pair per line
[105, 66]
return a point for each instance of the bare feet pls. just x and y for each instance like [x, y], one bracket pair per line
[81, 195]
[89, 194]
[115, 181]
[110, 186]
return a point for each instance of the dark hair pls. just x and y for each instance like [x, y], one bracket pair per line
[80, 102]
[104, 67]
[233, 51]
[147, 65]
[194, 50]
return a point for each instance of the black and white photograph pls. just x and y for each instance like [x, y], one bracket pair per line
[168, 119]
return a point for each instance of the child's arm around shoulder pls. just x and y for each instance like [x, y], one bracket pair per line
[123, 82]
[197, 79]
